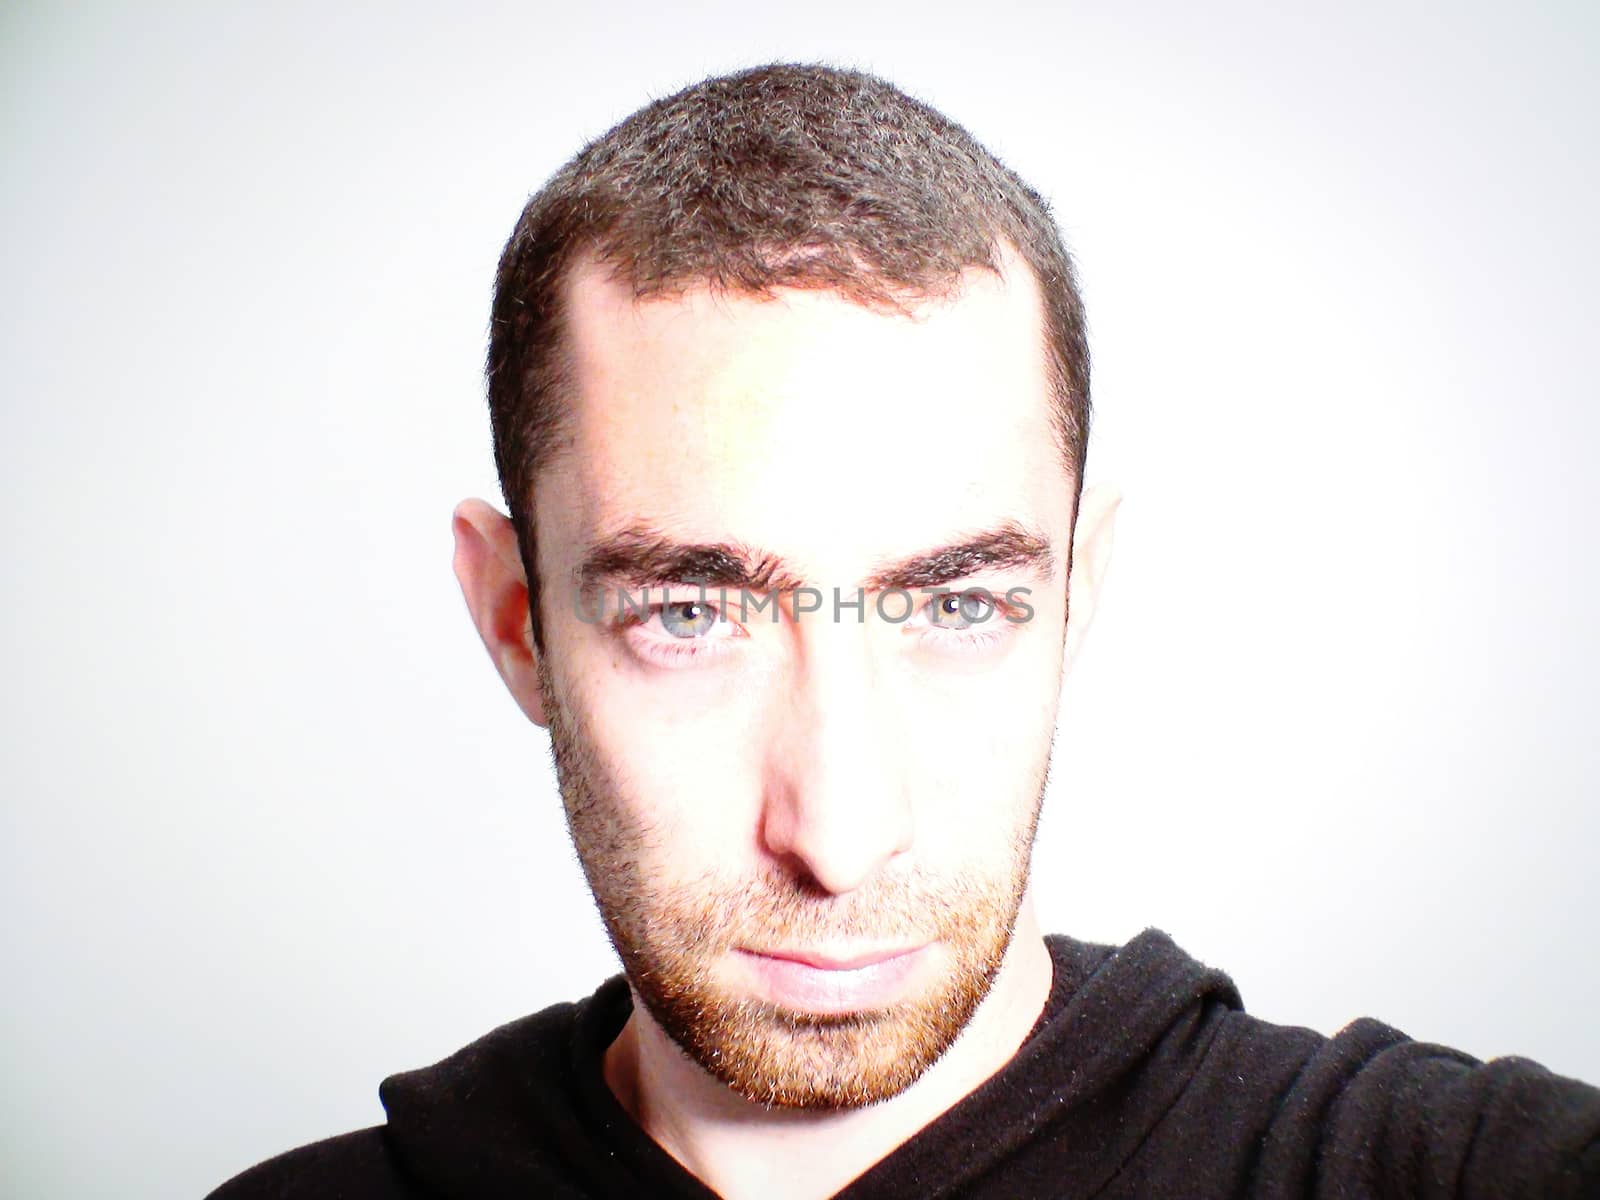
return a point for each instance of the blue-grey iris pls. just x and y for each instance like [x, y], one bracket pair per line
[958, 610]
[688, 618]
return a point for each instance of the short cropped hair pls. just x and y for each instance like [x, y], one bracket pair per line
[782, 176]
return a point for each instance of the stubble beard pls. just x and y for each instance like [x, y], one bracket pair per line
[669, 936]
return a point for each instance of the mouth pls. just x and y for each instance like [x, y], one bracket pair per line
[834, 982]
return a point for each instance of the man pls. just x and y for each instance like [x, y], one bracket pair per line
[789, 390]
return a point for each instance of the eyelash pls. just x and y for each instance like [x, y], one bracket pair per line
[960, 641]
[668, 651]
[975, 639]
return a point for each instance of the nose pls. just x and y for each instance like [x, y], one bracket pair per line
[835, 805]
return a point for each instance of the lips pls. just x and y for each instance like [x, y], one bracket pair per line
[838, 962]
[834, 982]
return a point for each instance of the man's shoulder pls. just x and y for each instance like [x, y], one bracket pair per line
[1284, 1109]
[1375, 1096]
[504, 1095]
[1383, 1113]
[351, 1166]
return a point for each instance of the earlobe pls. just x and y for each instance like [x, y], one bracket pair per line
[1091, 558]
[488, 566]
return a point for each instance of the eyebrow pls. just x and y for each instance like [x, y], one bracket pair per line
[642, 556]
[1007, 547]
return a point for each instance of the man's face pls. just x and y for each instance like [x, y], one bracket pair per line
[809, 838]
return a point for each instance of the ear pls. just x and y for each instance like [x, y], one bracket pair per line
[1091, 556]
[488, 565]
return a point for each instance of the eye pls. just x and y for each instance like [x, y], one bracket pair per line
[688, 618]
[680, 633]
[967, 624]
[962, 610]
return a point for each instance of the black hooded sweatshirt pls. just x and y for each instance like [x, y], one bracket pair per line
[1144, 1077]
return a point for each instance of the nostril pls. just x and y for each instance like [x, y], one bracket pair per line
[804, 883]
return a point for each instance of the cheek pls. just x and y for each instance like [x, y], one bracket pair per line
[681, 767]
[978, 787]
[974, 753]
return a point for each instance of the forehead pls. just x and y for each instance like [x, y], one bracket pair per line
[805, 423]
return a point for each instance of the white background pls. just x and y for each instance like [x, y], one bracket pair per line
[272, 830]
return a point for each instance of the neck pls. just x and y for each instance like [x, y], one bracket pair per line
[742, 1149]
